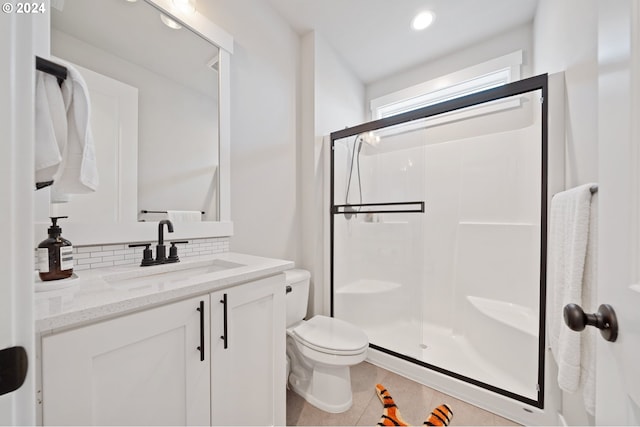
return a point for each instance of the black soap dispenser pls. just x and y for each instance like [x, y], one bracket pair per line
[55, 254]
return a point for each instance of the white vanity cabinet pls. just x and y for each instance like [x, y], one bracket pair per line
[248, 362]
[147, 367]
[139, 369]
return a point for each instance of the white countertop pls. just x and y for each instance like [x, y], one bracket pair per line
[107, 292]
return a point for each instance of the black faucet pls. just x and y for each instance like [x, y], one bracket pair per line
[161, 251]
[161, 256]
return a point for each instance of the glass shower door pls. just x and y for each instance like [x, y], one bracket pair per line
[437, 239]
[378, 248]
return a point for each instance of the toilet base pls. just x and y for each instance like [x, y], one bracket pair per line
[327, 388]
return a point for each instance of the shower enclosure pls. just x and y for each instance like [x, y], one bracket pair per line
[438, 247]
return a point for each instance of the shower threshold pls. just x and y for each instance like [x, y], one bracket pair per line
[441, 348]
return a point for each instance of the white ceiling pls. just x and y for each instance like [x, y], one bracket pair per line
[374, 37]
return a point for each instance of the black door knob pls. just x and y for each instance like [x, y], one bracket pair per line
[605, 320]
[13, 368]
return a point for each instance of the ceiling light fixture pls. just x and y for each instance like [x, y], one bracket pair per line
[422, 20]
[169, 22]
[186, 6]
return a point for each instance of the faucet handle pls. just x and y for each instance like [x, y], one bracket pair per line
[147, 254]
[173, 251]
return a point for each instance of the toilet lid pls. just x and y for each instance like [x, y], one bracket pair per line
[331, 335]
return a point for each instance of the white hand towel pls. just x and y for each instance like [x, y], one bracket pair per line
[51, 127]
[569, 228]
[590, 305]
[184, 216]
[78, 171]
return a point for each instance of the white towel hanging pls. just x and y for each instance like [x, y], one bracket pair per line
[571, 279]
[184, 216]
[78, 171]
[51, 127]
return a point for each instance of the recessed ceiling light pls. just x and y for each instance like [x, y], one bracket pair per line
[422, 20]
[169, 22]
[186, 6]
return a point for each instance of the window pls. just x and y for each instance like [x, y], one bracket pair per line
[487, 75]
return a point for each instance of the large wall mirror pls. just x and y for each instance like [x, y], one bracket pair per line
[158, 98]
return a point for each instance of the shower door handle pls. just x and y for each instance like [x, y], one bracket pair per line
[385, 207]
[604, 319]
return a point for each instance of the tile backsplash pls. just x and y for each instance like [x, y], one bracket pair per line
[86, 257]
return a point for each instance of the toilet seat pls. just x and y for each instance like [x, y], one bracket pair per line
[320, 351]
[331, 336]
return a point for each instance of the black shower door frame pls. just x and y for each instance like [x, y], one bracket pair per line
[519, 87]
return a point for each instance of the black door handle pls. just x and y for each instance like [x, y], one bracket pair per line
[605, 319]
[224, 336]
[13, 369]
[201, 346]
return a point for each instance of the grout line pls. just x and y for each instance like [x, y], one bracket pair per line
[364, 409]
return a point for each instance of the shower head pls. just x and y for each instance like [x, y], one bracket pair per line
[370, 138]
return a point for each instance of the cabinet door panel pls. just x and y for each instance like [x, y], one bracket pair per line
[139, 369]
[248, 377]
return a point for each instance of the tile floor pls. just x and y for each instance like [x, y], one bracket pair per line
[414, 400]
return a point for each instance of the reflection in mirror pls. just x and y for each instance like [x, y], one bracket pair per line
[150, 85]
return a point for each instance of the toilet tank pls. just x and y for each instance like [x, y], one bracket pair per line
[298, 298]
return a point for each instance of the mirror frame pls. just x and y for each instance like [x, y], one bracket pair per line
[87, 233]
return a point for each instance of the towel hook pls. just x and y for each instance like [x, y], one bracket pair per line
[605, 320]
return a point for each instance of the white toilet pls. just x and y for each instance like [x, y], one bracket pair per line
[320, 350]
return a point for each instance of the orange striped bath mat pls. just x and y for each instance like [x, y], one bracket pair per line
[440, 416]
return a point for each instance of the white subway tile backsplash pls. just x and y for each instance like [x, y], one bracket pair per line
[97, 256]
[86, 257]
[113, 258]
[113, 247]
[101, 254]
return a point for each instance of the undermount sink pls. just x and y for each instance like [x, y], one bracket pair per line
[169, 273]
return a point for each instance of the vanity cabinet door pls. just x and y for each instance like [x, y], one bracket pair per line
[248, 359]
[140, 369]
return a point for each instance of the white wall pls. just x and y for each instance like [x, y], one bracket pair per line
[565, 39]
[264, 108]
[502, 44]
[332, 99]
[339, 93]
